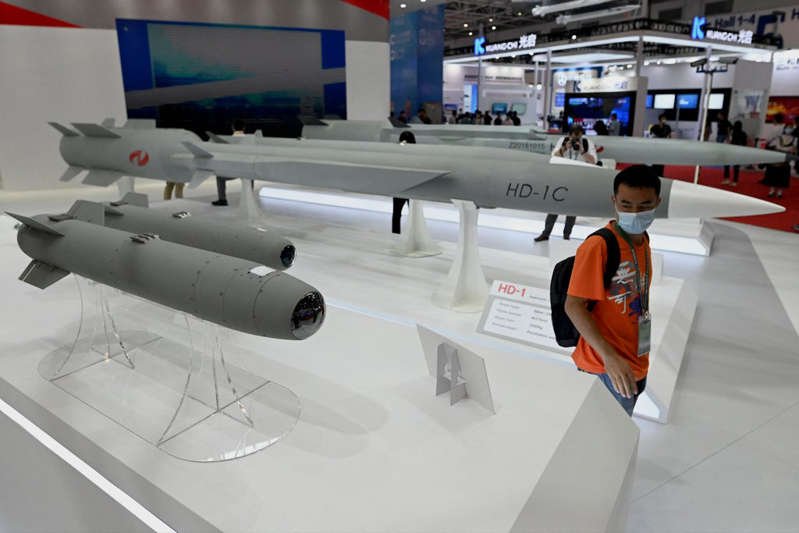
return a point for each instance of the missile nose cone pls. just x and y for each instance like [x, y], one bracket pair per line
[287, 255]
[308, 315]
[691, 201]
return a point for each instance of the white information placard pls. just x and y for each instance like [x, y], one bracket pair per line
[520, 313]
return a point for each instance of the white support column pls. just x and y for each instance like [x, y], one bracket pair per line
[465, 289]
[642, 85]
[707, 86]
[548, 88]
[416, 240]
[248, 204]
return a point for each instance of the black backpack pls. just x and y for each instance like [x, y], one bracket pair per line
[565, 332]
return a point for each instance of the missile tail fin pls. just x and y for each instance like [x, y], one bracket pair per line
[259, 134]
[197, 151]
[134, 198]
[101, 178]
[199, 177]
[63, 130]
[216, 138]
[42, 275]
[91, 212]
[35, 224]
[70, 173]
[110, 122]
[140, 124]
[94, 130]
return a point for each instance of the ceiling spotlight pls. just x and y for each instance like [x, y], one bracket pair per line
[423, 1]
[470, 34]
[539, 86]
[465, 24]
[403, 6]
[490, 20]
[493, 27]
[574, 37]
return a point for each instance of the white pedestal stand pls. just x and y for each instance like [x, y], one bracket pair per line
[465, 289]
[416, 240]
[126, 185]
[249, 202]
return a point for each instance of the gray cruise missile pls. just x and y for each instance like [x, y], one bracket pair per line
[489, 177]
[236, 239]
[228, 291]
[621, 149]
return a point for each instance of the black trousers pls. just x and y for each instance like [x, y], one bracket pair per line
[221, 187]
[549, 223]
[396, 215]
[736, 170]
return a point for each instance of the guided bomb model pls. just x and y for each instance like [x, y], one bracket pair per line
[233, 238]
[489, 177]
[621, 149]
[228, 291]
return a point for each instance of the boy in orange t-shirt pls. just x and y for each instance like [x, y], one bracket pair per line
[615, 332]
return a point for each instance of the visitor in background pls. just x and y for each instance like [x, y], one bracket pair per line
[778, 176]
[600, 128]
[737, 137]
[177, 187]
[487, 119]
[661, 130]
[578, 148]
[614, 126]
[221, 182]
[498, 121]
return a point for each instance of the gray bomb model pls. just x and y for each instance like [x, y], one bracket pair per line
[622, 149]
[489, 177]
[233, 238]
[228, 291]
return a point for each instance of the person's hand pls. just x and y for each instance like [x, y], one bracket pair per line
[621, 375]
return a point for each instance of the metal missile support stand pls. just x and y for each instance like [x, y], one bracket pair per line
[416, 240]
[169, 378]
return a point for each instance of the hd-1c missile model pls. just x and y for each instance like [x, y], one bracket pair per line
[229, 291]
[236, 239]
[489, 177]
[622, 149]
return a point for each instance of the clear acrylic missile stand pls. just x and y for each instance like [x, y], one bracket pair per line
[164, 376]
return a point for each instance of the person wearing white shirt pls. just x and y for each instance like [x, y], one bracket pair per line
[578, 147]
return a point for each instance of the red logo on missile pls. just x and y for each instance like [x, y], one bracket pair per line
[600, 149]
[139, 157]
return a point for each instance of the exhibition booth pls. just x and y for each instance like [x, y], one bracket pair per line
[260, 353]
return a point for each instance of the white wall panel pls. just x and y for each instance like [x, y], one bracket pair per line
[368, 80]
[51, 74]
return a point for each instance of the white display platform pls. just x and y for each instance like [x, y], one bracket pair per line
[688, 236]
[374, 449]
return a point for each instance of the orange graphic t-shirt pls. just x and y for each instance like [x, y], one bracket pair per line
[617, 308]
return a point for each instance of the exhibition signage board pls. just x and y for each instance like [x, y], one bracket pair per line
[519, 313]
[700, 32]
[524, 42]
[779, 26]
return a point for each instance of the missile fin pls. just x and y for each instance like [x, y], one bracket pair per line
[94, 130]
[311, 121]
[41, 274]
[70, 173]
[259, 134]
[216, 138]
[140, 124]
[197, 151]
[63, 130]
[109, 122]
[113, 211]
[397, 123]
[135, 198]
[86, 211]
[199, 177]
[101, 178]
[35, 224]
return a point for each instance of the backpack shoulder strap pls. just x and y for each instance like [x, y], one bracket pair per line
[614, 254]
[585, 144]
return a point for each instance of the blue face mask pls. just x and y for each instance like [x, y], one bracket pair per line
[636, 223]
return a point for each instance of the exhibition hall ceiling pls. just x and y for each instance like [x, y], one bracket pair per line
[465, 16]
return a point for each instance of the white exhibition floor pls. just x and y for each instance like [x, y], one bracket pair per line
[728, 461]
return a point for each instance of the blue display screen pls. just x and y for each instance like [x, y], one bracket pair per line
[499, 108]
[650, 98]
[687, 101]
[560, 99]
